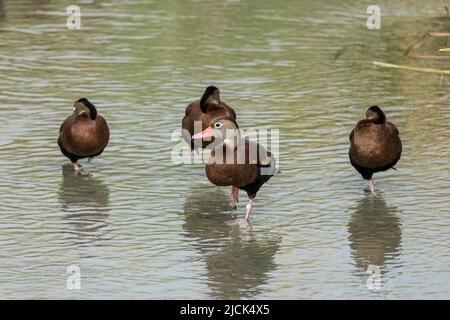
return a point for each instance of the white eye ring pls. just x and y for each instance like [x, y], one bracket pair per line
[217, 125]
[73, 109]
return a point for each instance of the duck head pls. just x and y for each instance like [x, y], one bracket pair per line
[83, 108]
[375, 114]
[224, 130]
[210, 96]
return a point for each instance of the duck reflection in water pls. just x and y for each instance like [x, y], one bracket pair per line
[85, 200]
[237, 262]
[374, 233]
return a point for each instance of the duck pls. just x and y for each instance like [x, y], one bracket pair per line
[202, 112]
[236, 161]
[375, 145]
[84, 134]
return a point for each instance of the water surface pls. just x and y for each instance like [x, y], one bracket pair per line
[140, 226]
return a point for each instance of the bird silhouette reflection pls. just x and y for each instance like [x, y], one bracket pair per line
[237, 261]
[374, 232]
[85, 202]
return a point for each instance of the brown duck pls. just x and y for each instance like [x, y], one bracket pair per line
[84, 134]
[375, 145]
[236, 161]
[203, 111]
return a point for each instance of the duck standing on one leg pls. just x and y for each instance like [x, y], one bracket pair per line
[236, 161]
[375, 145]
[84, 134]
[203, 111]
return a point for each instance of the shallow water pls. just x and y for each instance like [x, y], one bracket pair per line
[140, 226]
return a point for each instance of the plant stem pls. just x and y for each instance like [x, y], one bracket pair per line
[396, 66]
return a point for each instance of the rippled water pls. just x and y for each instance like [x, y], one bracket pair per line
[140, 226]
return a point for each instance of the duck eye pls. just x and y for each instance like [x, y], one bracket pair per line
[217, 125]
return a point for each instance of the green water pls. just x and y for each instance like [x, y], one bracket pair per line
[140, 226]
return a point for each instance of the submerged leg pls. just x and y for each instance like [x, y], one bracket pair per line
[371, 186]
[249, 209]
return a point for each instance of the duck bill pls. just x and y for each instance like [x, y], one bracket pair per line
[207, 133]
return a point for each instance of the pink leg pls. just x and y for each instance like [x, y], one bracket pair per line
[236, 193]
[76, 168]
[249, 209]
[234, 196]
[233, 200]
[371, 186]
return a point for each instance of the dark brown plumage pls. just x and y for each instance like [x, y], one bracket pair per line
[375, 145]
[204, 110]
[84, 134]
[237, 162]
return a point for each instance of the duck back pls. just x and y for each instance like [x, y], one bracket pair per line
[374, 146]
[82, 137]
